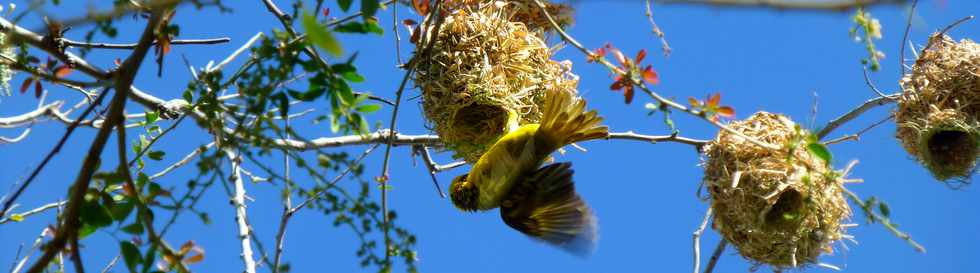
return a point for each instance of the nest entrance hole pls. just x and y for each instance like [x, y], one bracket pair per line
[953, 150]
[480, 123]
[786, 212]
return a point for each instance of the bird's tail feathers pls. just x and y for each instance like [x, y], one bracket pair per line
[565, 120]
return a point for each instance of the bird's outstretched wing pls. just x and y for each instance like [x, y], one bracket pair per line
[545, 207]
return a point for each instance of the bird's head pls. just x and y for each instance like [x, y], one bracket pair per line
[463, 193]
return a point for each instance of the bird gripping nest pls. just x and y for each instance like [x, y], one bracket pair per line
[482, 67]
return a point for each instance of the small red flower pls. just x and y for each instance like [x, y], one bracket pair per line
[631, 69]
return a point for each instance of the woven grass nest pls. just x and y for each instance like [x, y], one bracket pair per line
[938, 113]
[483, 66]
[774, 210]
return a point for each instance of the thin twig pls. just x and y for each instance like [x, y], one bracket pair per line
[133, 45]
[287, 205]
[183, 161]
[18, 138]
[696, 237]
[954, 24]
[867, 80]
[236, 53]
[854, 113]
[394, 117]
[886, 222]
[336, 179]
[657, 31]
[857, 136]
[27, 256]
[398, 37]
[111, 264]
[33, 211]
[143, 211]
[636, 82]
[431, 166]
[905, 38]
[715, 256]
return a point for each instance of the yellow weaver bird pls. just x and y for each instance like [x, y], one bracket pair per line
[538, 201]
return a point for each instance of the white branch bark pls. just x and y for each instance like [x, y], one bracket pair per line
[238, 201]
[788, 4]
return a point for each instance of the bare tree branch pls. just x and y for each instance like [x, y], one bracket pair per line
[33, 211]
[37, 244]
[18, 138]
[183, 161]
[696, 237]
[238, 201]
[657, 31]
[905, 37]
[111, 264]
[715, 256]
[830, 5]
[857, 136]
[854, 113]
[131, 46]
[437, 11]
[430, 165]
[21, 34]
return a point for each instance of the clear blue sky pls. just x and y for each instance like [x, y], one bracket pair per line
[644, 194]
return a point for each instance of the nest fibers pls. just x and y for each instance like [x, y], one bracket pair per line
[776, 210]
[482, 67]
[524, 11]
[937, 116]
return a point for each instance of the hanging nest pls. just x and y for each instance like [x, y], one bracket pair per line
[938, 113]
[775, 210]
[481, 68]
[524, 11]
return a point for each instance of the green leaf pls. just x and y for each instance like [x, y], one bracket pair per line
[369, 7]
[318, 35]
[311, 94]
[188, 96]
[156, 155]
[95, 214]
[368, 26]
[368, 108]
[149, 258]
[363, 126]
[344, 4]
[346, 96]
[121, 210]
[334, 123]
[885, 211]
[86, 230]
[134, 229]
[142, 179]
[820, 151]
[131, 254]
[152, 116]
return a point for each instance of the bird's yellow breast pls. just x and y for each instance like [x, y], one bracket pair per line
[500, 166]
